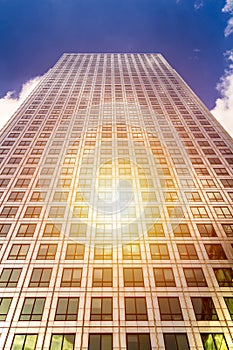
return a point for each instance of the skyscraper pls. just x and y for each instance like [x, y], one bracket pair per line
[116, 218]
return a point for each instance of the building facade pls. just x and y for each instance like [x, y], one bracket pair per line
[116, 218]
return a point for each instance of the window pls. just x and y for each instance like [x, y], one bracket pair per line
[220, 144]
[164, 277]
[46, 171]
[26, 230]
[16, 196]
[151, 212]
[50, 160]
[159, 252]
[180, 230]
[214, 161]
[102, 277]
[67, 309]
[229, 304]
[32, 212]
[131, 252]
[27, 171]
[78, 230]
[176, 341]
[37, 196]
[60, 196]
[138, 341]
[100, 342]
[101, 309]
[187, 251]
[167, 183]
[8, 171]
[175, 212]
[22, 183]
[47, 252]
[80, 212]
[57, 212]
[204, 309]
[207, 183]
[32, 160]
[171, 196]
[9, 277]
[84, 195]
[129, 230]
[133, 277]
[9, 212]
[24, 342]
[43, 183]
[5, 304]
[4, 182]
[135, 309]
[18, 252]
[195, 277]
[228, 229]
[227, 183]
[4, 229]
[199, 212]
[32, 309]
[170, 309]
[62, 342]
[214, 341]
[71, 277]
[222, 212]
[14, 160]
[75, 252]
[221, 171]
[155, 230]
[8, 143]
[193, 197]
[103, 252]
[214, 196]
[5, 151]
[206, 230]
[187, 183]
[224, 277]
[52, 230]
[215, 252]
[40, 277]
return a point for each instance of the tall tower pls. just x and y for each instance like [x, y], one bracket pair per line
[116, 218]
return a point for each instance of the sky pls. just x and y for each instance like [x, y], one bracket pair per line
[195, 36]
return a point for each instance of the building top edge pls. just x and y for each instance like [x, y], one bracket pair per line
[111, 53]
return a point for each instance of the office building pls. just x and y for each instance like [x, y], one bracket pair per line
[116, 218]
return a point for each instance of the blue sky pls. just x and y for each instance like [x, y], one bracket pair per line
[189, 33]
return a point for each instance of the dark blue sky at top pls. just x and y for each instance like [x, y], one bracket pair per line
[34, 33]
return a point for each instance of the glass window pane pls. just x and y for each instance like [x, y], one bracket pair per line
[24, 342]
[4, 307]
[94, 342]
[229, 303]
[214, 341]
[68, 342]
[106, 342]
[56, 343]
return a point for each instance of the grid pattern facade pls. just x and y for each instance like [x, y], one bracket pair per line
[116, 218]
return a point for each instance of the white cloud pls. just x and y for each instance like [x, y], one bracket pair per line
[9, 104]
[223, 110]
[228, 6]
[198, 5]
[229, 27]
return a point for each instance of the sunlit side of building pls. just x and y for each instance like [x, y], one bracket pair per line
[116, 218]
